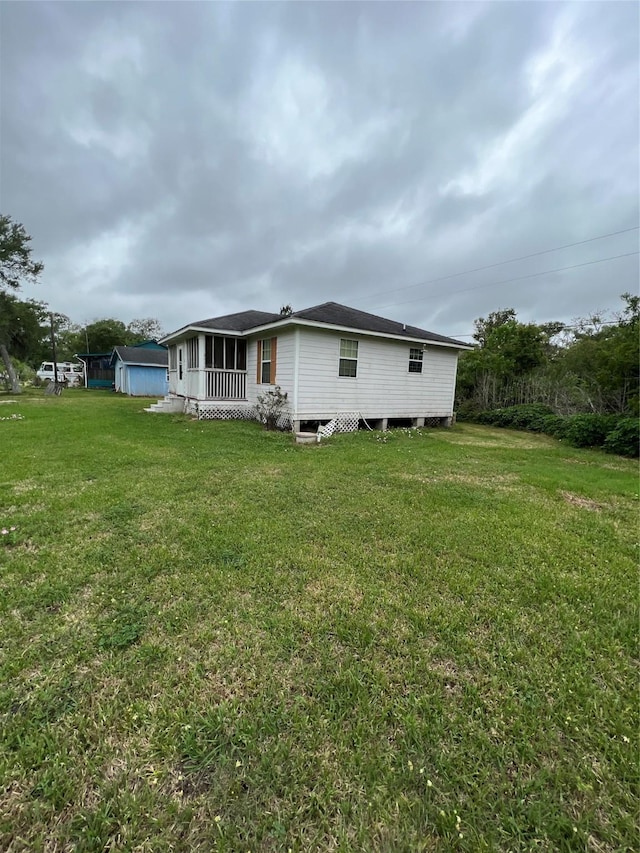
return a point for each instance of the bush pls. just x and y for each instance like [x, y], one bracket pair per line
[270, 407]
[526, 416]
[554, 425]
[625, 438]
[529, 416]
[589, 430]
[615, 434]
[467, 411]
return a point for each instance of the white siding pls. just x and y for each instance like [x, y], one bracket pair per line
[383, 387]
[285, 364]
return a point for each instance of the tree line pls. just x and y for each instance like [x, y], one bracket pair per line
[590, 366]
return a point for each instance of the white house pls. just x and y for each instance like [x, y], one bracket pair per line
[329, 359]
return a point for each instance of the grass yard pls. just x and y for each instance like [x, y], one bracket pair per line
[212, 639]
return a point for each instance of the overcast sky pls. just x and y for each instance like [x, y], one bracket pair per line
[185, 160]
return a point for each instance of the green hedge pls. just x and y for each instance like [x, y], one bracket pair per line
[613, 433]
[625, 438]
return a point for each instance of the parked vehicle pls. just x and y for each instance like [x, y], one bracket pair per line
[69, 372]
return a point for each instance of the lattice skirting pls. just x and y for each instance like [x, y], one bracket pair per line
[213, 411]
[343, 422]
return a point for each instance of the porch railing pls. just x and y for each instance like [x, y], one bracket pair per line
[226, 384]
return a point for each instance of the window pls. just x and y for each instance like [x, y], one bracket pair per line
[265, 361]
[348, 358]
[192, 353]
[415, 360]
[225, 353]
[173, 358]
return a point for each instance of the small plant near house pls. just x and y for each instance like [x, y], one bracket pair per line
[270, 407]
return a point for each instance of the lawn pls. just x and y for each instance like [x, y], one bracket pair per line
[212, 639]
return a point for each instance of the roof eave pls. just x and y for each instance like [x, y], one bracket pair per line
[209, 330]
[335, 327]
[317, 324]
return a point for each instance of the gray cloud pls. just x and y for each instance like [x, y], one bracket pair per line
[179, 160]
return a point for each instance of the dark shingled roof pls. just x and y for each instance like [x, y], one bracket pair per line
[341, 315]
[140, 355]
[239, 322]
[329, 312]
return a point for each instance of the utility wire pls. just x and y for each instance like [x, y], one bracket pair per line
[518, 278]
[502, 263]
[563, 329]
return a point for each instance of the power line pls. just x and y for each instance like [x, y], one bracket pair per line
[563, 329]
[518, 278]
[503, 263]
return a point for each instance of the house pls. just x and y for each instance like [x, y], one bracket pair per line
[329, 359]
[141, 370]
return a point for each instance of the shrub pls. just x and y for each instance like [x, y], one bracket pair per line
[270, 407]
[554, 425]
[589, 430]
[624, 438]
[529, 416]
[467, 411]
[615, 434]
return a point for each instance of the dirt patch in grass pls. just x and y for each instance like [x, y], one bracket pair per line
[503, 482]
[325, 593]
[24, 486]
[450, 675]
[584, 503]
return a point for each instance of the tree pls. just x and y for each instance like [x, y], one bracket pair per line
[24, 328]
[16, 266]
[604, 355]
[103, 336]
[507, 353]
[146, 329]
[484, 326]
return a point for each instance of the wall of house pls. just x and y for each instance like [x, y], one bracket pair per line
[285, 366]
[383, 387]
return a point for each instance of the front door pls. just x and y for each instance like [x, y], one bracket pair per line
[180, 363]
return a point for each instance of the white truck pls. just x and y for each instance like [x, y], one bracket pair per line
[68, 371]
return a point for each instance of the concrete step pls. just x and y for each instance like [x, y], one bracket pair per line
[168, 405]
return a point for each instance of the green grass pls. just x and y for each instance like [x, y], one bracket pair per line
[215, 639]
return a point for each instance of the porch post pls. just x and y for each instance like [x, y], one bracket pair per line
[202, 390]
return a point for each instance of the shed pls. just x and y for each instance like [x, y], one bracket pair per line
[98, 372]
[140, 371]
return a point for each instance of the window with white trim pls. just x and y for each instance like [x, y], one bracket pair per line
[348, 358]
[415, 360]
[192, 353]
[265, 356]
[173, 357]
